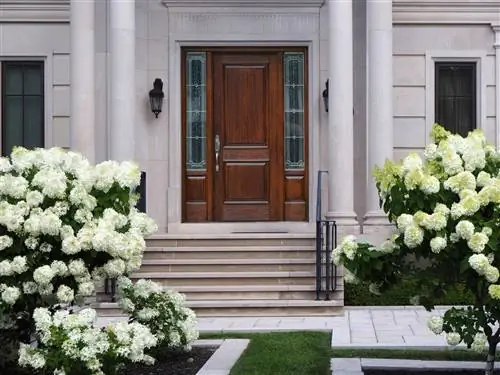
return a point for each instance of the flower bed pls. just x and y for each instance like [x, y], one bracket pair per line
[66, 225]
[182, 363]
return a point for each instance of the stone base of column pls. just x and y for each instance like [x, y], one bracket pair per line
[376, 227]
[347, 224]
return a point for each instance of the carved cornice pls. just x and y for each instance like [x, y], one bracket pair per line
[34, 11]
[446, 11]
[244, 3]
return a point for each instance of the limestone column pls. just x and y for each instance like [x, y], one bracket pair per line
[122, 70]
[340, 114]
[496, 29]
[82, 60]
[379, 101]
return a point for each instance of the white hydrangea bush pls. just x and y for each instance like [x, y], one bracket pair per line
[70, 344]
[164, 312]
[445, 208]
[64, 225]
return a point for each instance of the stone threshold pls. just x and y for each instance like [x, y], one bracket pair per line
[224, 358]
[355, 366]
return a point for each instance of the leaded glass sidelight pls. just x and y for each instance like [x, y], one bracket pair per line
[293, 63]
[196, 113]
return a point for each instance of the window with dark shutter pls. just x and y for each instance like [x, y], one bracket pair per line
[455, 95]
[22, 105]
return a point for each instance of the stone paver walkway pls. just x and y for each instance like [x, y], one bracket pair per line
[376, 327]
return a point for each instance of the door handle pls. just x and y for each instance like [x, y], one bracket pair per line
[217, 150]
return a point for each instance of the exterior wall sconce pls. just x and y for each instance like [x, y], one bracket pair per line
[156, 96]
[325, 95]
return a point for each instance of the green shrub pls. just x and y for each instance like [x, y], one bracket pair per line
[359, 295]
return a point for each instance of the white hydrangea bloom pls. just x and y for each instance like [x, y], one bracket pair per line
[465, 229]
[461, 181]
[29, 357]
[43, 275]
[491, 274]
[413, 236]
[5, 242]
[479, 263]
[479, 343]
[10, 295]
[65, 294]
[437, 244]
[435, 324]
[453, 338]
[404, 221]
[19, 264]
[477, 242]
[436, 222]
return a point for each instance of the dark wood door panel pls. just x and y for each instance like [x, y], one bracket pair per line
[253, 101]
[248, 178]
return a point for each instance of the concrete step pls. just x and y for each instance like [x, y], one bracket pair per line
[173, 279]
[233, 239]
[247, 308]
[226, 265]
[243, 292]
[232, 252]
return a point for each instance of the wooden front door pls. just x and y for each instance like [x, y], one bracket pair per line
[249, 154]
[245, 135]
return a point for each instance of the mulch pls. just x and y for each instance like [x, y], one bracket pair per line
[174, 363]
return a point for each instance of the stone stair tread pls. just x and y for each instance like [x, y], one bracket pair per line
[251, 235]
[219, 248]
[225, 261]
[244, 303]
[244, 288]
[221, 275]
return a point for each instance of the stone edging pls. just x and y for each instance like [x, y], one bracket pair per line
[355, 366]
[225, 357]
[405, 307]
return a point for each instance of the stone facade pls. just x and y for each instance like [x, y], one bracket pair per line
[395, 93]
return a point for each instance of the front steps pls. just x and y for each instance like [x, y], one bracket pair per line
[237, 275]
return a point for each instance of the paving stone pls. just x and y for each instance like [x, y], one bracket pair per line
[345, 364]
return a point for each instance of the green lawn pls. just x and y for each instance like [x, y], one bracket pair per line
[290, 353]
[309, 353]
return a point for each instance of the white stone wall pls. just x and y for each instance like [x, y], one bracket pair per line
[159, 34]
[48, 43]
[151, 137]
[415, 48]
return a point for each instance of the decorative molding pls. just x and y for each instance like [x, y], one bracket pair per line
[34, 11]
[244, 3]
[446, 11]
[254, 23]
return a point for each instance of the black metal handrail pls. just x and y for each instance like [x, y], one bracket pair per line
[110, 284]
[326, 241]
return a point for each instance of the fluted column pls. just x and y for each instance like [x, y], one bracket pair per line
[496, 29]
[122, 70]
[379, 103]
[82, 67]
[340, 115]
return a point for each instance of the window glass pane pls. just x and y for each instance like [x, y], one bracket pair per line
[33, 121]
[294, 110]
[196, 111]
[13, 79]
[12, 126]
[456, 96]
[22, 105]
[33, 80]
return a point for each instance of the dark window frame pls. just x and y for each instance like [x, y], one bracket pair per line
[470, 67]
[21, 64]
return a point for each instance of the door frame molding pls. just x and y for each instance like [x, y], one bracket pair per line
[175, 173]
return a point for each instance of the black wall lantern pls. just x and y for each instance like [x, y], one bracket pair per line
[156, 96]
[325, 95]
